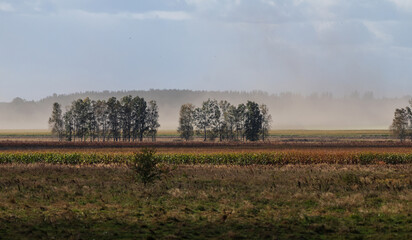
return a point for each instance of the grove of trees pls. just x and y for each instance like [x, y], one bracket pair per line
[225, 121]
[402, 122]
[127, 119]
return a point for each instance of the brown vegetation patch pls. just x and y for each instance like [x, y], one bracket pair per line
[205, 201]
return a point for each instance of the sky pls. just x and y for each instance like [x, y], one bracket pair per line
[301, 46]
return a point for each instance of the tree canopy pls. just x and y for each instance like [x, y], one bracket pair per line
[223, 120]
[127, 119]
[402, 123]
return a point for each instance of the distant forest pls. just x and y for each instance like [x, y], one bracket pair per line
[288, 110]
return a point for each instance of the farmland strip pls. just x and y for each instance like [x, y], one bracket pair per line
[215, 159]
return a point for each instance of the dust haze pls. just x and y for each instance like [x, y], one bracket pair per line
[288, 110]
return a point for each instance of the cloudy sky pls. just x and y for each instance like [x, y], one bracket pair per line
[302, 46]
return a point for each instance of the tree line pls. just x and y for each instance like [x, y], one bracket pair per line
[402, 122]
[127, 119]
[225, 121]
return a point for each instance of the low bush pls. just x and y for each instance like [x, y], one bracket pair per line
[145, 165]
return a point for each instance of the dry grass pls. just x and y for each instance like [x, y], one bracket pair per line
[202, 201]
[342, 133]
[24, 132]
[214, 150]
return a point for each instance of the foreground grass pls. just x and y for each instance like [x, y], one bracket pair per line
[39, 201]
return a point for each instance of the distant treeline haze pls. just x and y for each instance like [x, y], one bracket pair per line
[130, 119]
[290, 111]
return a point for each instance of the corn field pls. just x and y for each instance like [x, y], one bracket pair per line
[241, 159]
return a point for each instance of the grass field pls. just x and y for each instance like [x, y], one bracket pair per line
[40, 201]
[326, 189]
[24, 133]
[308, 133]
[331, 133]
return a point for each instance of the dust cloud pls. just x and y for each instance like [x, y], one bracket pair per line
[288, 110]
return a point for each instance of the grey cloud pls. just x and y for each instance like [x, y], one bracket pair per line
[6, 7]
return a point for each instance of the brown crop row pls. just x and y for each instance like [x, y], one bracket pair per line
[4, 145]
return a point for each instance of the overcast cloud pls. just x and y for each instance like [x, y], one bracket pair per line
[303, 46]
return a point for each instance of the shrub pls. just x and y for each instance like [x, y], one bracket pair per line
[145, 166]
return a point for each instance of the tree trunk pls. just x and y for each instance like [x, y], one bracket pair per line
[205, 134]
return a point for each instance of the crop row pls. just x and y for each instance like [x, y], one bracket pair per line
[218, 159]
[250, 145]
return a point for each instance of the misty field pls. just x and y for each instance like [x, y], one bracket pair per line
[203, 201]
[172, 135]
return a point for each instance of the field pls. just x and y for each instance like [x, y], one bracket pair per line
[345, 185]
[170, 135]
[40, 201]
